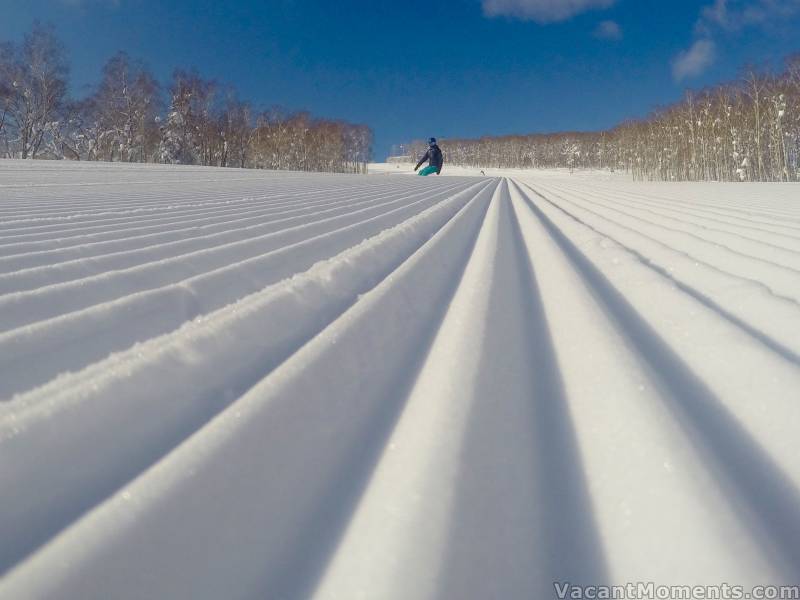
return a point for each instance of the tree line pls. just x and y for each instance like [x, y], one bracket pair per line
[129, 116]
[746, 130]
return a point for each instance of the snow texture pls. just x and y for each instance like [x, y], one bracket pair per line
[220, 383]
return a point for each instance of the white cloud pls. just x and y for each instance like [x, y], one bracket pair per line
[734, 15]
[724, 18]
[695, 60]
[608, 30]
[542, 11]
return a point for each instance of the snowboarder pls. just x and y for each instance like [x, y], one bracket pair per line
[434, 158]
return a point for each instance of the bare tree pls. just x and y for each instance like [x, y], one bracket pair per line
[237, 132]
[747, 130]
[38, 79]
[123, 118]
[7, 69]
[126, 106]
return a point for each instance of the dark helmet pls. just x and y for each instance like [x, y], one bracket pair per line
[431, 141]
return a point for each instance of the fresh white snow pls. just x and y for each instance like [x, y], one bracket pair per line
[221, 383]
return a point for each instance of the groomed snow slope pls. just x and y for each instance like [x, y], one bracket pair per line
[240, 384]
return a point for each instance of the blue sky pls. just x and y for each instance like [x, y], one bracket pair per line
[457, 68]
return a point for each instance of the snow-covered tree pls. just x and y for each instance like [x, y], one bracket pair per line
[236, 132]
[34, 88]
[125, 108]
[7, 69]
[123, 119]
[744, 130]
[192, 131]
[179, 143]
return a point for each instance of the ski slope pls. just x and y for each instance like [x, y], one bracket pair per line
[240, 384]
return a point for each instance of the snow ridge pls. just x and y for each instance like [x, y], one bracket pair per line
[216, 383]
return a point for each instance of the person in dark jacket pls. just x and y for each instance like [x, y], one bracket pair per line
[434, 158]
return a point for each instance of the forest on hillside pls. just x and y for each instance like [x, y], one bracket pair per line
[129, 116]
[745, 130]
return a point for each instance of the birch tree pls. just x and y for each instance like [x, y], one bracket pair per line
[36, 84]
[126, 106]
